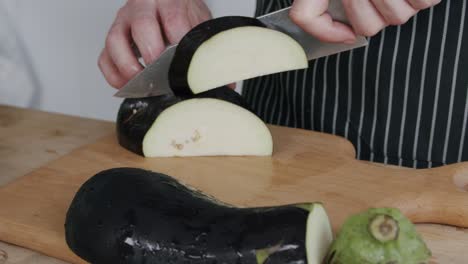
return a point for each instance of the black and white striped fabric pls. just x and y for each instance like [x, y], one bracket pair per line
[401, 100]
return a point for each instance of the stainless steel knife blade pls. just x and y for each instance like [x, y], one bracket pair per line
[154, 80]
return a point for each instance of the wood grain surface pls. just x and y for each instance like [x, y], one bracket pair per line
[306, 166]
[30, 139]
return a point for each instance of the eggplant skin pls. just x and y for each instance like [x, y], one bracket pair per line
[130, 215]
[227, 94]
[136, 116]
[189, 44]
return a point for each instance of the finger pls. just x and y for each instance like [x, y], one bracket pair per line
[174, 20]
[201, 12]
[313, 18]
[423, 4]
[120, 51]
[232, 86]
[110, 71]
[395, 12]
[364, 17]
[147, 35]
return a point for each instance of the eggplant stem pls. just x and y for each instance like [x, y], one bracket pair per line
[384, 228]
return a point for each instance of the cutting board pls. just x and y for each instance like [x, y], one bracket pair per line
[306, 166]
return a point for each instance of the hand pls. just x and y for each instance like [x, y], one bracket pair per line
[151, 25]
[367, 17]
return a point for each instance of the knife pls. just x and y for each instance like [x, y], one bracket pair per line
[154, 80]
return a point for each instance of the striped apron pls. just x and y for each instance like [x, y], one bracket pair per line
[401, 100]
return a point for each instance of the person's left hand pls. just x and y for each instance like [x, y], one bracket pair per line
[367, 17]
[151, 25]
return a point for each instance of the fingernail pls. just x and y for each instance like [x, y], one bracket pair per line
[350, 41]
[135, 69]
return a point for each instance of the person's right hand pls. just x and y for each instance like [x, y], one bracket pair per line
[367, 17]
[151, 25]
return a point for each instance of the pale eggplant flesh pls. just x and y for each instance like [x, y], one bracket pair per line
[207, 127]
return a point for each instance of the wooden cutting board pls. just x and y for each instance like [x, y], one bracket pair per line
[306, 166]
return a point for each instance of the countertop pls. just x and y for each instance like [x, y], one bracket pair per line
[30, 139]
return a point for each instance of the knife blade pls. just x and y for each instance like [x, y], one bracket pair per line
[154, 80]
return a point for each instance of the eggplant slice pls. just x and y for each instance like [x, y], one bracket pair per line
[230, 49]
[137, 116]
[129, 215]
[207, 127]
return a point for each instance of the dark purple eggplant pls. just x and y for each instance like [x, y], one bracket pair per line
[129, 215]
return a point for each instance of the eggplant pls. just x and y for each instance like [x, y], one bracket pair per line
[130, 215]
[229, 49]
[227, 94]
[135, 117]
[214, 123]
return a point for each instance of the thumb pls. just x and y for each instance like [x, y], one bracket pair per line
[312, 17]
